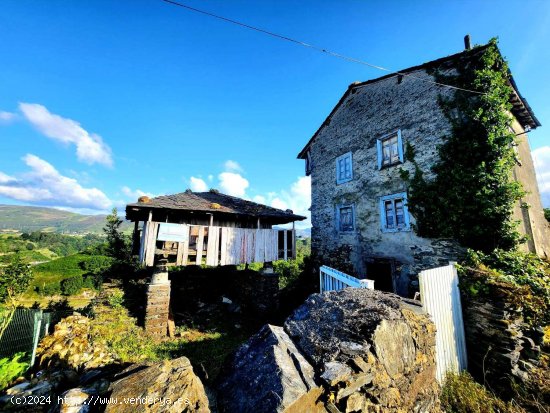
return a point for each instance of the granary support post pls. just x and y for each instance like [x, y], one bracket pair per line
[293, 239]
[158, 302]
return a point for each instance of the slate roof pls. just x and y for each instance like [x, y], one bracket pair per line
[206, 202]
[520, 107]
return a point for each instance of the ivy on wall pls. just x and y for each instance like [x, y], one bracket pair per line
[473, 194]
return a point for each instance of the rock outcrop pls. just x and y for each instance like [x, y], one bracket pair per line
[168, 386]
[270, 372]
[354, 350]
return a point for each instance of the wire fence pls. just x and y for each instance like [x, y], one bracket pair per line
[25, 330]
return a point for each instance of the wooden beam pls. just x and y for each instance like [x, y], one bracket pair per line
[293, 240]
[200, 243]
[285, 246]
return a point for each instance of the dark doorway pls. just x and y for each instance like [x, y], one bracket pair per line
[381, 272]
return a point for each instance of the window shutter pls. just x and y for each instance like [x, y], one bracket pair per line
[380, 154]
[400, 146]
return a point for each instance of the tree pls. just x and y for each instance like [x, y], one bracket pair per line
[547, 214]
[118, 244]
[14, 281]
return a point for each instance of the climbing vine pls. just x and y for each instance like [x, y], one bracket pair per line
[472, 195]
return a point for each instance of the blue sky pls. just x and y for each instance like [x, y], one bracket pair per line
[103, 101]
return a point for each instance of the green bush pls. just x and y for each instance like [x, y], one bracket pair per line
[73, 285]
[288, 271]
[53, 288]
[461, 394]
[96, 264]
[12, 368]
[116, 298]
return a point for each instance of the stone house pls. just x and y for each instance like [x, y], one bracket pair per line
[359, 198]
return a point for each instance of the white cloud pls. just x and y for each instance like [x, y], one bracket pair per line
[279, 203]
[232, 166]
[197, 184]
[210, 178]
[259, 199]
[7, 117]
[90, 148]
[4, 179]
[135, 194]
[541, 158]
[233, 184]
[297, 198]
[44, 185]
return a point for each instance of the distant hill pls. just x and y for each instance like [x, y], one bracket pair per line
[303, 233]
[28, 219]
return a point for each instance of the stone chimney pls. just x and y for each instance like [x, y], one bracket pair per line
[467, 42]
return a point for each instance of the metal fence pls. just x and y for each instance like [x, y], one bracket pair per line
[441, 299]
[25, 330]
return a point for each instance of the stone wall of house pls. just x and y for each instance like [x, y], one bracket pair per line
[368, 113]
[533, 224]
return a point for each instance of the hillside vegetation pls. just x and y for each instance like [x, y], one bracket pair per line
[30, 219]
[39, 247]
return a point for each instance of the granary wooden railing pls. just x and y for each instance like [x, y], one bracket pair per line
[213, 246]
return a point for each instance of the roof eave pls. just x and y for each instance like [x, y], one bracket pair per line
[283, 218]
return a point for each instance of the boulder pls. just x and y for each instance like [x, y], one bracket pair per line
[168, 386]
[350, 351]
[74, 401]
[268, 374]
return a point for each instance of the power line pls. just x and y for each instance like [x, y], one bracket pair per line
[319, 49]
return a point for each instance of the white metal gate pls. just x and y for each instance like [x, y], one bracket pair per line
[334, 280]
[440, 298]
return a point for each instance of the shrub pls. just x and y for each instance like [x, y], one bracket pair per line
[113, 327]
[288, 271]
[116, 298]
[53, 288]
[96, 264]
[461, 394]
[12, 368]
[73, 285]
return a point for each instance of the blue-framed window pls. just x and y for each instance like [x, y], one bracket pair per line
[345, 218]
[344, 168]
[394, 214]
[390, 149]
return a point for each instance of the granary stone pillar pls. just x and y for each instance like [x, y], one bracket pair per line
[158, 302]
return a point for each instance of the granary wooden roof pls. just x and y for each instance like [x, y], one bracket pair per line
[520, 108]
[211, 202]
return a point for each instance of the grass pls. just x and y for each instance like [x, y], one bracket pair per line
[207, 350]
[461, 394]
[27, 256]
[12, 368]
